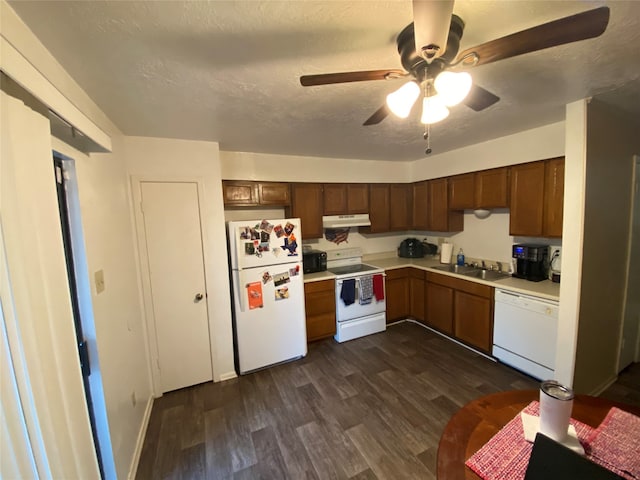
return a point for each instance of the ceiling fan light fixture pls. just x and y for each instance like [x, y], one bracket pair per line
[452, 87]
[401, 101]
[433, 110]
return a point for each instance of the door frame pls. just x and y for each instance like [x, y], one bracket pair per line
[145, 278]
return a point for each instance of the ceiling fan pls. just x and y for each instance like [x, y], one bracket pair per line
[428, 50]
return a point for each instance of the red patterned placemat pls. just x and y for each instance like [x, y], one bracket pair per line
[506, 455]
[615, 444]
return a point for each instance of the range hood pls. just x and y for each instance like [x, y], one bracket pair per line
[343, 221]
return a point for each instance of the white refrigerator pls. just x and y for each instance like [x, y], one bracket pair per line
[268, 292]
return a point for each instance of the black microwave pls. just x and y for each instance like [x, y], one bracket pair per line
[314, 261]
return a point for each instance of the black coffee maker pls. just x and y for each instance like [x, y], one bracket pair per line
[531, 261]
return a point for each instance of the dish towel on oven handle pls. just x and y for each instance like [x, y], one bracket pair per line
[378, 287]
[366, 289]
[348, 292]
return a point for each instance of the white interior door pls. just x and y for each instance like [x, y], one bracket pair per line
[173, 234]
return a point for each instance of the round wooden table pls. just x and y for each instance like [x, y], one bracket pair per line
[475, 423]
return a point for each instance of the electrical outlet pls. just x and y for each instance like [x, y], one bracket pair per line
[99, 280]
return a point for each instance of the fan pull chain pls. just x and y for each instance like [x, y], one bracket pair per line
[427, 126]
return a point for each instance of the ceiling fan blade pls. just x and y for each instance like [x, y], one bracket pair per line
[346, 77]
[581, 26]
[378, 116]
[479, 98]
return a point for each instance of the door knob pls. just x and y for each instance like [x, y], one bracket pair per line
[199, 297]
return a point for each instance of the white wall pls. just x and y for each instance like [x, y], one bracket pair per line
[166, 159]
[612, 140]
[528, 146]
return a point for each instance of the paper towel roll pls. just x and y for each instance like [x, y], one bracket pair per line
[446, 249]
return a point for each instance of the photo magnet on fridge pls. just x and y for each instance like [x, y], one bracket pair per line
[266, 226]
[254, 293]
[266, 277]
[288, 228]
[279, 231]
[281, 278]
[249, 248]
[282, 293]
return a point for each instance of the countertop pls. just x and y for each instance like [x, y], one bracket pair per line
[544, 289]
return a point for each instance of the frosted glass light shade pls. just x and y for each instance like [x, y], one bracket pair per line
[433, 110]
[401, 101]
[452, 87]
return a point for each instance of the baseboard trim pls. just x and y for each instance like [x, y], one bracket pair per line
[489, 357]
[603, 386]
[133, 469]
[228, 376]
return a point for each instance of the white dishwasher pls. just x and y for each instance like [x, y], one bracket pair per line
[525, 330]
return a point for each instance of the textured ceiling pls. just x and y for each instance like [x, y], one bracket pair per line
[228, 71]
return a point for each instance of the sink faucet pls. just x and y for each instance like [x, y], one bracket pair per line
[499, 266]
[484, 267]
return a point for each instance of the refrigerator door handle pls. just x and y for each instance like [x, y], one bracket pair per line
[241, 292]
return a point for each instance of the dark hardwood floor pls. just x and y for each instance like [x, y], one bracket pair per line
[371, 408]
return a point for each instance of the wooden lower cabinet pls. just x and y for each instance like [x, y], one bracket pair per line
[473, 320]
[439, 308]
[320, 307]
[460, 308]
[397, 294]
[416, 294]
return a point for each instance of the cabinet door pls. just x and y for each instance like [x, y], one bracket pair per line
[357, 198]
[397, 297]
[400, 203]
[240, 194]
[306, 203]
[420, 208]
[527, 199]
[378, 208]
[473, 320]
[439, 307]
[492, 188]
[320, 307]
[274, 194]
[416, 294]
[441, 219]
[335, 198]
[553, 197]
[462, 192]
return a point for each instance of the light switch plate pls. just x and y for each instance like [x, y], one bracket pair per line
[99, 281]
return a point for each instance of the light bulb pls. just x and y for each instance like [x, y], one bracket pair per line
[401, 101]
[433, 110]
[453, 87]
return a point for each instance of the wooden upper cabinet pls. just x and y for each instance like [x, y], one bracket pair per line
[462, 192]
[357, 198]
[346, 198]
[527, 199]
[379, 208]
[400, 206]
[492, 188]
[273, 193]
[420, 207]
[255, 194]
[335, 198]
[306, 204]
[537, 198]
[553, 197]
[238, 193]
[441, 218]
[484, 189]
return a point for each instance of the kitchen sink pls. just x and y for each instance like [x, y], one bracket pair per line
[461, 269]
[490, 275]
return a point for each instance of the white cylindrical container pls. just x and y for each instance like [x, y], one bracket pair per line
[446, 249]
[556, 403]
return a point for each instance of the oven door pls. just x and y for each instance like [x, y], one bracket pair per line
[356, 309]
